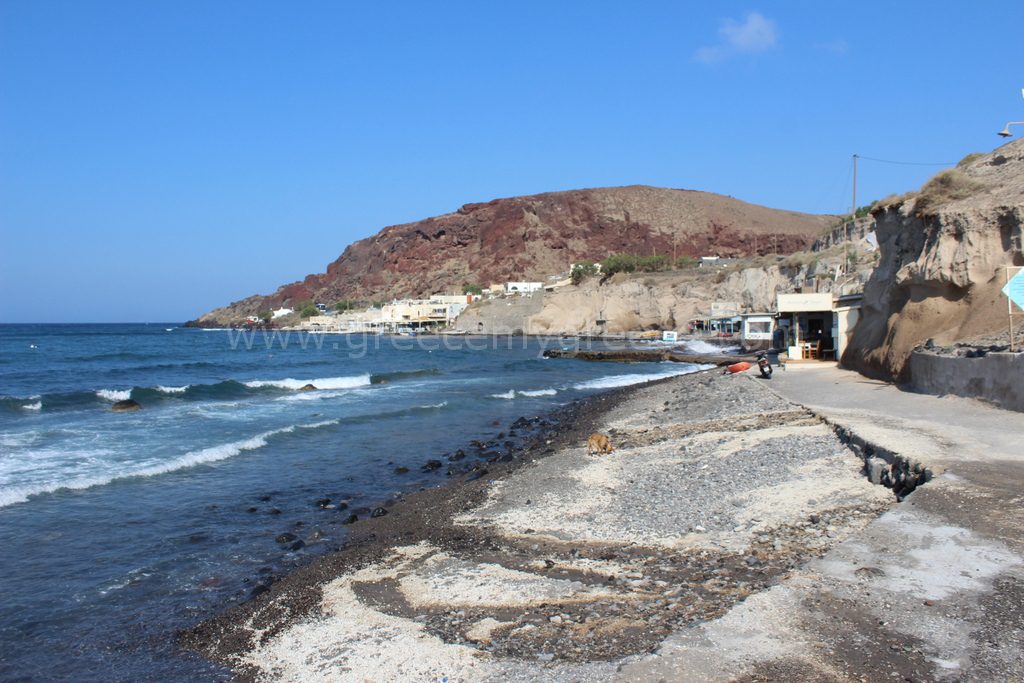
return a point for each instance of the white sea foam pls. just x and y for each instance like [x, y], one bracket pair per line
[317, 425]
[540, 392]
[701, 346]
[115, 394]
[612, 381]
[173, 390]
[512, 393]
[18, 439]
[38, 405]
[320, 383]
[19, 494]
[442, 404]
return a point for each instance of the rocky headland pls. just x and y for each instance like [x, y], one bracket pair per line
[534, 237]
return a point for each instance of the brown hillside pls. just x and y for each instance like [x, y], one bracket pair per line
[533, 237]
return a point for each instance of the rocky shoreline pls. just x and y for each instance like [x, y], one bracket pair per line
[717, 491]
[416, 515]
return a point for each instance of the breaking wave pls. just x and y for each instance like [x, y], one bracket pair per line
[612, 381]
[226, 390]
[321, 383]
[211, 454]
[115, 394]
[512, 393]
[701, 346]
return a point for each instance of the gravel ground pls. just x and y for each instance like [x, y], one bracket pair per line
[573, 566]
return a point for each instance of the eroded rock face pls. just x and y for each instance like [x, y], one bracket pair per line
[653, 301]
[530, 238]
[941, 271]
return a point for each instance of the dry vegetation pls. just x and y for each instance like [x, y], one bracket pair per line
[972, 157]
[893, 201]
[944, 187]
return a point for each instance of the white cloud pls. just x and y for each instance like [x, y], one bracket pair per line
[755, 33]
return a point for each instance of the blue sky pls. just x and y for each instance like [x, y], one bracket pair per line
[158, 159]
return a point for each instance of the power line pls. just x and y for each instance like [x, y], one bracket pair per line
[905, 163]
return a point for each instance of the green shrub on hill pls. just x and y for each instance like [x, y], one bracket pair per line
[628, 263]
[582, 270]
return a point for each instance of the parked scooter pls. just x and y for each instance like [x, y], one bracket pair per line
[763, 365]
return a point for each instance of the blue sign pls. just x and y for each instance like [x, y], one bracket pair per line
[1015, 289]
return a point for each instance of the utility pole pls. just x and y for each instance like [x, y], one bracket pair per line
[853, 211]
[853, 217]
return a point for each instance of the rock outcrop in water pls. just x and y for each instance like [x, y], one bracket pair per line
[125, 406]
[943, 252]
[533, 237]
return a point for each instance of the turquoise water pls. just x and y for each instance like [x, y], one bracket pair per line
[118, 529]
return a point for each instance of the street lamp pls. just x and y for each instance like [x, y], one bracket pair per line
[1005, 132]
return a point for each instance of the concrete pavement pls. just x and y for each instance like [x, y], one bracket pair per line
[932, 590]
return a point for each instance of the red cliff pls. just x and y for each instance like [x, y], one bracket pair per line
[530, 238]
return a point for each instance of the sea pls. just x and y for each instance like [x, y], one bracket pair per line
[119, 529]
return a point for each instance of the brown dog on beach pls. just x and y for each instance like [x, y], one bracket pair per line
[599, 443]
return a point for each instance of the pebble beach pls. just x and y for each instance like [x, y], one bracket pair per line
[565, 565]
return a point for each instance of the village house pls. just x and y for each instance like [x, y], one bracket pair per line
[814, 326]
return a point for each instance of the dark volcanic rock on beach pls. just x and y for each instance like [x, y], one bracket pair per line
[532, 237]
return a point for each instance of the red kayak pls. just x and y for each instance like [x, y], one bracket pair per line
[738, 367]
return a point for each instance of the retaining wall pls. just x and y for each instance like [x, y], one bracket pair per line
[996, 377]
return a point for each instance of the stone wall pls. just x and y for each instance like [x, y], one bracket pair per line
[996, 377]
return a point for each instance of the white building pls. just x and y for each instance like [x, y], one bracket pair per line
[816, 326]
[281, 312]
[757, 329]
[523, 287]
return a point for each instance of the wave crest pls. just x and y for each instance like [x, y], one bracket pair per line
[211, 454]
[352, 382]
[512, 393]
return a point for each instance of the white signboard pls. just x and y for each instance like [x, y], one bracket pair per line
[669, 336]
[799, 303]
[1014, 289]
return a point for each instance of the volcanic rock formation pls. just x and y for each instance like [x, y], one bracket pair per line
[534, 237]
